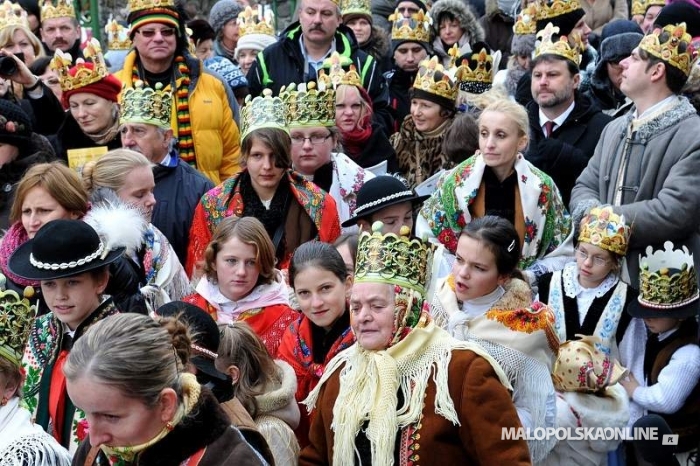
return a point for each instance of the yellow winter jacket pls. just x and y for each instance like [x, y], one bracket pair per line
[217, 141]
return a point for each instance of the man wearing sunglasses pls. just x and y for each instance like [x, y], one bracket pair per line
[203, 105]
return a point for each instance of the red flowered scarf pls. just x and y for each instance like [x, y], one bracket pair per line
[182, 106]
[15, 237]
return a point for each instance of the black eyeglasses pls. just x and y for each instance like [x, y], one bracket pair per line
[314, 139]
[408, 10]
[150, 33]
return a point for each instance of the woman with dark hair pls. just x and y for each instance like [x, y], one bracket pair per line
[485, 300]
[371, 39]
[20, 149]
[292, 209]
[454, 25]
[322, 285]
[346, 245]
[48, 76]
[418, 143]
[203, 38]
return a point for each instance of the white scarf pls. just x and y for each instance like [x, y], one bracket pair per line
[23, 443]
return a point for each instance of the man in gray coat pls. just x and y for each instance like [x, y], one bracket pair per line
[647, 163]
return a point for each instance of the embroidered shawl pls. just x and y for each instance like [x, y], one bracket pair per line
[348, 178]
[446, 212]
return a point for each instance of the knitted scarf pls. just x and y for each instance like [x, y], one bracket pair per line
[354, 141]
[15, 237]
[182, 106]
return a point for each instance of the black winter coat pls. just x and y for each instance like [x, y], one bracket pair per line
[565, 154]
[178, 190]
[70, 136]
[283, 63]
[400, 83]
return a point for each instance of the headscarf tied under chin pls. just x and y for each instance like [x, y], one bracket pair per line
[408, 305]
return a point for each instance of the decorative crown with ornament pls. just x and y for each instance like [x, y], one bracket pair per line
[356, 7]
[11, 14]
[142, 104]
[264, 111]
[84, 76]
[567, 47]
[433, 78]
[16, 317]
[526, 22]
[117, 36]
[414, 29]
[309, 105]
[604, 228]
[62, 9]
[673, 45]
[253, 21]
[549, 10]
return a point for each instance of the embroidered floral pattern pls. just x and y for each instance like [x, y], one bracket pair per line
[528, 320]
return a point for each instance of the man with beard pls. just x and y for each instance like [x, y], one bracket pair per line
[410, 44]
[145, 128]
[299, 56]
[60, 29]
[564, 124]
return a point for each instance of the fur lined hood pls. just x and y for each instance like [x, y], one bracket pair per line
[467, 19]
[378, 44]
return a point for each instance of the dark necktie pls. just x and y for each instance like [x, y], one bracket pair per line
[548, 128]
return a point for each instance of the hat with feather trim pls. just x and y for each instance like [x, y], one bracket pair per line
[61, 248]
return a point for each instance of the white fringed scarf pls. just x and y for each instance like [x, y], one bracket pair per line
[370, 381]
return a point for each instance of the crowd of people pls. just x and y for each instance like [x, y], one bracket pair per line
[382, 233]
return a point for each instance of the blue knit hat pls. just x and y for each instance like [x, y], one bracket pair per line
[231, 73]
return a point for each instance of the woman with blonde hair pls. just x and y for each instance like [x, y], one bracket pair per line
[497, 180]
[265, 386]
[241, 283]
[19, 39]
[120, 184]
[147, 410]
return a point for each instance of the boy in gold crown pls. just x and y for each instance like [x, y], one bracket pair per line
[660, 347]
[645, 163]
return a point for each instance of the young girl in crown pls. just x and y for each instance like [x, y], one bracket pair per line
[660, 346]
[485, 300]
[589, 300]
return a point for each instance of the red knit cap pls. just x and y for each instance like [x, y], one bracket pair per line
[108, 87]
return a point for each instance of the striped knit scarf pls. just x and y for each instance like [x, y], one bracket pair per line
[182, 106]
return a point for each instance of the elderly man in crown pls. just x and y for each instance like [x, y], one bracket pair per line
[203, 105]
[407, 392]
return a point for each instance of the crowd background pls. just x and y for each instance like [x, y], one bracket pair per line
[349, 232]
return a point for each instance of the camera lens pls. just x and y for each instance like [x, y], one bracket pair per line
[7, 66]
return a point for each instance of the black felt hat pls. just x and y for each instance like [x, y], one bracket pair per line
[378, 193]
[61, 248]
[206, 334]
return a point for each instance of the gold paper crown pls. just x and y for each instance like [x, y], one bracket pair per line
[84, 76]
[355, 7]
[526, 22]
[16, 316]
[649, 3]
[426, 80]
[352, 77]
[638, 8]
[667, 278]
[63, 9]
[393, 259]
[556, 8]
[308, 105]
[566, 47]
[604, 228]
[250, 22]
[11, 14]
[482, 71]
[117, 36]
[264, 111]
[140, 104]
[672, 44]
[335, 74]
[581, 366]
[413, 29]
[138, 5]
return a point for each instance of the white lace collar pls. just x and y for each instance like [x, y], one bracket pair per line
[476, 307]
[573, 289]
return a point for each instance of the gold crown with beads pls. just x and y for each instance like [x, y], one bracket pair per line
[482, 71]
[604, 228]
[16, 317]
[117, 35]
[309, 105]
[355, 7]
[567, 47]
[250, 21]
[335, 70]
[638, 8]
[673, 45]
[84, 76]
[546, 10]
[413, 29]
[526, 22]
[142, 104]
[62, 9]
[667, 278]
[138, 5]
[393, 259]
[433, 78]
[11, 14]
[264, 111]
